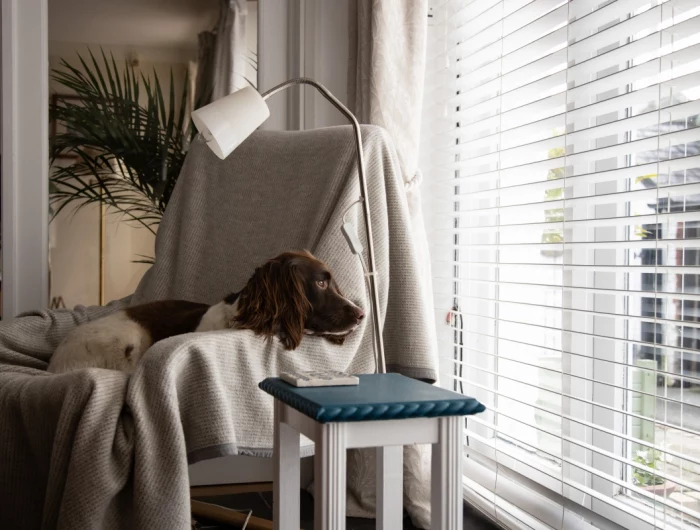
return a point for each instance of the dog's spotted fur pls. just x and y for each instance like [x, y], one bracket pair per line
[290, 296]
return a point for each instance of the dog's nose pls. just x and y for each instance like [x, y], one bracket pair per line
[359, 314]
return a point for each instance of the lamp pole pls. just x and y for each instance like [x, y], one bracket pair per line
[373, 293]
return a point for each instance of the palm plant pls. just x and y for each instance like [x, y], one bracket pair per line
[128, 155]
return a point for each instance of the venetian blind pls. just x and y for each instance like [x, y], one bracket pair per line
[561, 154]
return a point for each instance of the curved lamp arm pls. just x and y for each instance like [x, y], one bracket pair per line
[373, 293]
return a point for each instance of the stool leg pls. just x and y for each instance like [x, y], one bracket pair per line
[287, 481]
[390, 487]
[446, 481]
[330, 459]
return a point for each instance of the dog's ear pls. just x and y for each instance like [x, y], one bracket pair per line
[274, 302]
[296, 306]
[258, 301]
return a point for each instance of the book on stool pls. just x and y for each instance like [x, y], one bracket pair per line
[320, 378]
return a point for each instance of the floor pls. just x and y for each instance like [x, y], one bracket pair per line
[261, 504]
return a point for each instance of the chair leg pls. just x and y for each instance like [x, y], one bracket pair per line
[330, 460]
[446, 481]
[287, 483]
[389, 487]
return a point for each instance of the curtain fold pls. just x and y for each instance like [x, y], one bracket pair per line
[386, 70]
[221, 56]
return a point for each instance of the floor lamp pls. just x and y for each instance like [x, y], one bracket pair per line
[227, 122]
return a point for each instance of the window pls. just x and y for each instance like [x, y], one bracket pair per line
[561, 151]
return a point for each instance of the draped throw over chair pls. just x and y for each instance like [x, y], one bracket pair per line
[94, 441]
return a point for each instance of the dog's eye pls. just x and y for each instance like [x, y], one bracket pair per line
[322, 284]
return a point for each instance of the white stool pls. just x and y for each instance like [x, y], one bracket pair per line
[342, 418]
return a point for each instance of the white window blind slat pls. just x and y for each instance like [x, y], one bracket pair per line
[540, 29]
[552, 471]
[590, 41]
[595, 15]
[513, 346]
[514, 440]
[528, 15]
[561, 152]
[445, 181]
[534, 71]
[604, 364]
[541, 474]
[541, 47]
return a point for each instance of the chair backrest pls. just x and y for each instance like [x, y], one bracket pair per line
[285, 190]
[275, 192]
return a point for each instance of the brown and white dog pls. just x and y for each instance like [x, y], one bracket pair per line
[290, 296]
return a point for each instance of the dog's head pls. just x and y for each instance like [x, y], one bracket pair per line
[295, 294]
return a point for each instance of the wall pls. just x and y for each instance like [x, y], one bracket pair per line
[303, 38]
[251, 29]
[74, 235]
[326, 47]
[273, 67]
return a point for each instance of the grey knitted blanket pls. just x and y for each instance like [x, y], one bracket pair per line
[98, 449]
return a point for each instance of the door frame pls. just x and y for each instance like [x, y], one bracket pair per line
[25, 156]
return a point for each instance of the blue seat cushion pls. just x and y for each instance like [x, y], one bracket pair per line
[377, 397]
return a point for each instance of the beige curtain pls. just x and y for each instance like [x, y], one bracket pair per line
[386, 70]
[385, 88]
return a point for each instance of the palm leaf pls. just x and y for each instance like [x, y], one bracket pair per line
[128, 154]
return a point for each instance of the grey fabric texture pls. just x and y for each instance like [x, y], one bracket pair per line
[99, 449]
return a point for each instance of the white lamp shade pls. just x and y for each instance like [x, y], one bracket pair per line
[228, 121]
